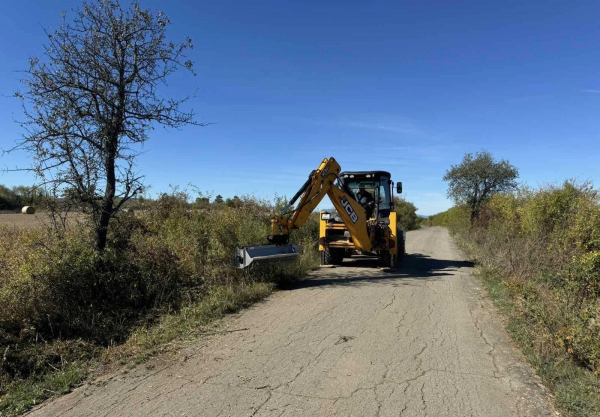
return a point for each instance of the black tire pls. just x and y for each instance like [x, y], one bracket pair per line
[333, 256]
[394, 264]
[385, 259]
[402, 249]
[396, 259]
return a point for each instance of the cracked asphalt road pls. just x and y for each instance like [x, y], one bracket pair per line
[353, 340]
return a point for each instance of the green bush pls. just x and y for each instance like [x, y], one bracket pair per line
[455, 218]
[407, 214]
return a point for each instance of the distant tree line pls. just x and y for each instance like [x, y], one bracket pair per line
[13, 199]
[203, 201]
[21, 195]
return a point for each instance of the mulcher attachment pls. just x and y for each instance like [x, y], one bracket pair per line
[261, 254]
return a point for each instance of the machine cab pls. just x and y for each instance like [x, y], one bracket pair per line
[372, 189]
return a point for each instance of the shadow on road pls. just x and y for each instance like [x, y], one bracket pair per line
[364, 270]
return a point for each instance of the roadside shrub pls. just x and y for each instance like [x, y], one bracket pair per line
[407, 214]
[453, 218]
[63, 289]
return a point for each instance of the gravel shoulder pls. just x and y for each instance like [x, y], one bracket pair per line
[352, 340]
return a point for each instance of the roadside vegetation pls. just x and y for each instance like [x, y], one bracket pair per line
[167, 270]
[407, 214]
[538, 253]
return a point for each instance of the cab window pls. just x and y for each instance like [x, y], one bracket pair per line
[385, 199]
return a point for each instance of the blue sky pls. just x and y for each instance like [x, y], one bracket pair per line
[402, 86]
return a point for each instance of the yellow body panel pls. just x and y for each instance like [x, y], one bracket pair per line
[322, 231]
[394, 233]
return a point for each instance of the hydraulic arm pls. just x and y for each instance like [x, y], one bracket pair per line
[321, 182]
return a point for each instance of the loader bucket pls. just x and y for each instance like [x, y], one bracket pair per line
[261, 254]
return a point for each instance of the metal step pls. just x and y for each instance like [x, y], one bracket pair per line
[261, 254]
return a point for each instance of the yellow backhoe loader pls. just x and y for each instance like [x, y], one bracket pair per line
[364, 221]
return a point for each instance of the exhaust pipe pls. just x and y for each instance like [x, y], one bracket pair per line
[261, 254]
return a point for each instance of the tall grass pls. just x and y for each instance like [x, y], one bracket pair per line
[63, 304]
[539, 251]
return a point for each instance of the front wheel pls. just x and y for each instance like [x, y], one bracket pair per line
[394, 262]
[333, 256]
[385, 259]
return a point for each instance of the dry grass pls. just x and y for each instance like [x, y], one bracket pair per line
[32, 221]
[24, 220]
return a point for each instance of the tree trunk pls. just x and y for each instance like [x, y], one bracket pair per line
[474, 213]
[109, 164]
[102, 226]
[109, 196]
[475, 204]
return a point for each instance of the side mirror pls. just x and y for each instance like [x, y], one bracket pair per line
[399, 187]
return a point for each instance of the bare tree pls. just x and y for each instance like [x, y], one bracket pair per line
[477, 178]
[93, 98]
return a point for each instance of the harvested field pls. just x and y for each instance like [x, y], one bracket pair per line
[38, 219]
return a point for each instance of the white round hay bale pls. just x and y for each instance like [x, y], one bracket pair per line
[28, 210]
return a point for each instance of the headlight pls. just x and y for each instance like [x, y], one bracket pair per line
[325, 216]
